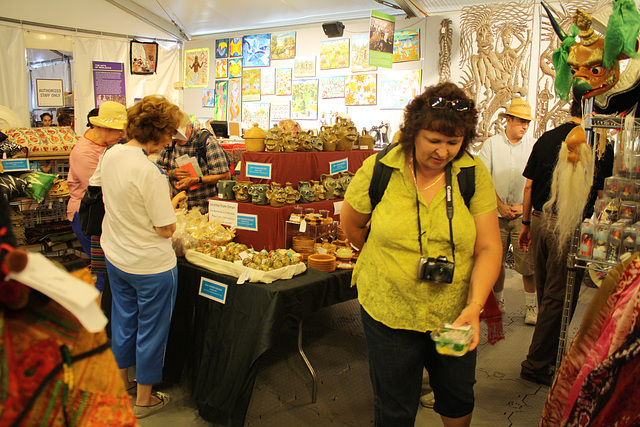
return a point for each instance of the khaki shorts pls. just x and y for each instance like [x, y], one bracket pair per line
[509, 232]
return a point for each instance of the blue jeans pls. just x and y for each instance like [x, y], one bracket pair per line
[396, 360]
[85, 242]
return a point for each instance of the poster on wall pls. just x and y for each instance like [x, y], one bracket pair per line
[283, 45]
[255, 112]
[406, 45]
[304, 66]
[50, 92]
[220, 109]
[280, 110]
[221, 68]
[360, 54]
[235, 47]
[256, 50]
[283, 81]
[234, 90]
[208, 98]
[251, 85]
[234, 68]
[108, 82]
[304, 99]
[267, 81]
[143, 57]
[196, 67]
[332, 87]
[360, 89]
[381, 28]
[334, 54]
[396, 88]
[222, 48]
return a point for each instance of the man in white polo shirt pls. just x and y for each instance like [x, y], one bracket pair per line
[506, 155]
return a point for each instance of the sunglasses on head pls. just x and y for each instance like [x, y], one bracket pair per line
[456, 104]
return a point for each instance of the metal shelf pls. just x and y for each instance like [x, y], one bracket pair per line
[606, 121]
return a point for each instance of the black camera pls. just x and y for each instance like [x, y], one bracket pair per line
[436, 269]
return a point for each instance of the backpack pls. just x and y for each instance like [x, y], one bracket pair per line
[201, 143]
[382, 174]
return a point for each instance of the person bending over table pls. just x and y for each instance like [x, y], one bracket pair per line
[399, 309]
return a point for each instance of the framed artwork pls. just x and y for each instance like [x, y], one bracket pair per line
[381, 28]
[360, 54]
[208, 98]
[250, 85]
[334, 54]
[234, 68]
[220, 107]
[283, 81]
[360, 89]
[234, 99]
[406, 45]
[280, 110]
[235, 47]
[256, 50]
[221, 68]
[397, 88]
[196, 67]
[332, 87]
[304, 66]
[222, 48]
[267, 81]
[283, 45]
[143, 57]
[304, 99]
[255, 112]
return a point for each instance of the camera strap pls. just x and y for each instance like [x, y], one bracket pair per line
[449, 199]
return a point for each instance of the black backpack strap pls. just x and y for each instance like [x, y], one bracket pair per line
[380, 177]
[467, 183]
[201, 143]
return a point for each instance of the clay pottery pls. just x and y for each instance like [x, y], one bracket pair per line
[225, 189]
[304, 140]
[273, 140]
[316, 143]
[366, 140]
[259, 194]
[277, 196]
[293, 195]
[329, 138]
[320, 190]
[347, 134]
[241, 189]
[254, 138]
[342, 183]
[290, 143]
[329, 183]
[307, 194]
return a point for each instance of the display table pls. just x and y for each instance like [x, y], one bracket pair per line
[234, 149]
[294, 167]
[227, 339]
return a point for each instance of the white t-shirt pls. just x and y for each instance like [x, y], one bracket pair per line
[137, 198]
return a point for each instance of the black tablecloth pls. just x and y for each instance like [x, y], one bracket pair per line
[228, 339]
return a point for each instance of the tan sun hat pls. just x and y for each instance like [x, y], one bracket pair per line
[519, 108]
[111, 115]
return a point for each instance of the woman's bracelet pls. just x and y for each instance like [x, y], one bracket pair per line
[476, 302]
[171, 174]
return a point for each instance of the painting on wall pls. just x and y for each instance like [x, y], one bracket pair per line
[304, 99]
[255, 112]
[283, 81]
[235, 47]
[256, 50]
[280, 110]
[360, 54]
[332, 87]
[406, 45]
[221, 68]
[304, 66]
[360, 89]
[267, 81]
[222, 48]
[397, 88]
[196, 67]
[208, 98]
[234, 68]
[220, 108]
[283, 45]
[250, 85]
[334, 54]
[234, 91]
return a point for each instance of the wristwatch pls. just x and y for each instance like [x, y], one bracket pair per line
[526, 222]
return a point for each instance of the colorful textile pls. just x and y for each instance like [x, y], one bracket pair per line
[98, 264]
[42, 142]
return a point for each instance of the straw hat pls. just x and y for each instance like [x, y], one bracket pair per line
[112, 115]
[519, 108]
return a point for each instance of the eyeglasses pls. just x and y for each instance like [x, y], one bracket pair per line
[456, 104]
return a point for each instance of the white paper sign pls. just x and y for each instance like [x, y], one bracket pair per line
[337, 206]
[49, 93]
[224, 212]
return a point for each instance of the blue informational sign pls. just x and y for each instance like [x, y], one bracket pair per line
[14, 165]
[213, 290]
[259, 170]
[247, 222]
[338, 166]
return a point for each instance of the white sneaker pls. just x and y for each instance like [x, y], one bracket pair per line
[501, 305]
[531, 318]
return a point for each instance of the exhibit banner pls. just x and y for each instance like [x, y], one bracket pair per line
[381, 29]
[108, 82]
[49, 92]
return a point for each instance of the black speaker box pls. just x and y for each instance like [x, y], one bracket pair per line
[333, 29]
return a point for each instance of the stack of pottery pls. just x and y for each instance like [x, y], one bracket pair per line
[303, 245]
[254, 138]
[322, 262]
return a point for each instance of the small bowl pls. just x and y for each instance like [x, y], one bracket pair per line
[452, 340]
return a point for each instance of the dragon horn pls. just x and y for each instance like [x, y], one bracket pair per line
[556, 27]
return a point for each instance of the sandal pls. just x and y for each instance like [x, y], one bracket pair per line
[145, 411]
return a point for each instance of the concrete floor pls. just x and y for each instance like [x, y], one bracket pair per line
[334, 343]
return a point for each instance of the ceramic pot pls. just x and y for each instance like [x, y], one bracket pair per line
[342, 183]
[273, 140]
[304, 140]
[320, 190]
[241, 189]
[329, 183]
[293, 195]
[254, 138]
[290, 143]
[277, 196]
[316, 143]
[307, 194]
[366, 140]
[225, 189]
[259, 194]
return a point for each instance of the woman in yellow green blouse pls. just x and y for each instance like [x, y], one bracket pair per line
[402, 303]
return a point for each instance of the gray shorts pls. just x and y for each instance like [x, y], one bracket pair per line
[509, 232]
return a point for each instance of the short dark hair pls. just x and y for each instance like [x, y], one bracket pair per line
[575, 108]
[92, 113]
[419, 115]
[64, 119]
[43, 115]
[151, 118]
